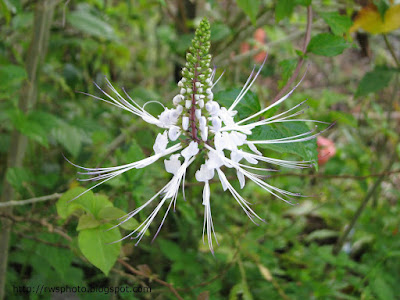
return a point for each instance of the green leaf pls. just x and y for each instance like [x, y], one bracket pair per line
[70, 137]
[338, 23]
[219, 31]
[327, 44]
[87, 221]
[288, 66]
[90, 24]
[95, 246]
[134, 153]
[5, 11]
[112, 214]
[283, 9]
[242, 289]
[250, 8]
[66, 208]
[30, 126]
[307, 150]
[60, 259]
[10, 76]
[170, 250]
[382, 6]
[381, 288]
[87, 202]
[36, 125]
[18, 177]
[247, 106]
[375, 81]
[303, 2]
[94, 206]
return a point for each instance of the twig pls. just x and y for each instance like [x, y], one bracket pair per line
[42, 222]
[40, 241]
[301, 59]
[390, 48]
[31, 200]
[162, 282]
[239, 57]
[64, 12]
[342, 239]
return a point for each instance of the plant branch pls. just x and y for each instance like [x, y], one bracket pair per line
[363, 205]
[43, 222]
[162, 282]
[301, 58]
[31, 200]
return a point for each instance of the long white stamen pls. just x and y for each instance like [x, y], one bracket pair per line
[273, 104]
[237, 100]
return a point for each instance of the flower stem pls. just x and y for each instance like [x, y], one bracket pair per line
[193, 107]
[390, 48]
[301, 58]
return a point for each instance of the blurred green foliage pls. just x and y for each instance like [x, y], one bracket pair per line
[140, 45]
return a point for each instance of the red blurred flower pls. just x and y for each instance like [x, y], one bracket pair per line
[326, 149]
[259, 36]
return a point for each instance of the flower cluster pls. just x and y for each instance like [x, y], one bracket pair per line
[198, 124]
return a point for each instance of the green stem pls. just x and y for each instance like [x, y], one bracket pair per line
[390, 48]
[363, 205]
[36, 53]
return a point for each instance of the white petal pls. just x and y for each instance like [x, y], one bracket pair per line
[204, 133]
[241, 179]
[178, 98]
[198, 113]
[224, 181]
[205, 173]
[174, 132]
[173, 164]
[214, 161]
[254, 148]
[217, 124]
[219, 145]
[236, 156]
[185, 123]
[161, 142]
[202, 122]
[190, 150]
[238, 138]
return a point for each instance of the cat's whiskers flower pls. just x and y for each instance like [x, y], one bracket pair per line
[198, 123]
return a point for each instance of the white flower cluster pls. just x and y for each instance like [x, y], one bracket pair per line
[224, 141]
[198, 124]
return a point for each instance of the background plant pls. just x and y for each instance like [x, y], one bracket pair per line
[341, 244]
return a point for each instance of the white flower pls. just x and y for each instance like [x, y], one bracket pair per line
[219, 132]
[204, 126]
